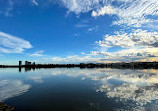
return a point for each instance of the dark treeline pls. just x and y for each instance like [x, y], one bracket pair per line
[133, 65]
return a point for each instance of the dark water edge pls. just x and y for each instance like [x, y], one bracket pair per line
[5, 107]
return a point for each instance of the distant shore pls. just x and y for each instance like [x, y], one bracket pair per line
[134, 65]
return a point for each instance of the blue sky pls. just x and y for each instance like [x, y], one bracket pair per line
[74, 31]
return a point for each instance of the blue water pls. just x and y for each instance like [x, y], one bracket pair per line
[75, 89]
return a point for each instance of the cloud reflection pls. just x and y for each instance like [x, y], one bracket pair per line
[138, 88]
[12, 88]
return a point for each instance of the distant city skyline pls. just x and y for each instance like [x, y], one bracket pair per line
[76, 31]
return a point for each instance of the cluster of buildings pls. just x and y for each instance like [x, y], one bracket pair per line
[27, 63]
[94, 65]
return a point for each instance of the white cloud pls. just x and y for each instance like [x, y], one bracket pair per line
[100, 53]
[135, 54]
[136, 12]
[130, 12]
[137, 45]
[139, 9]
[129, 55]
[12, 44]
[82, 53]
[90, 29]
[104, 10]
[71, 59]
[93, 29]
[80, 6]
[124, 55]
[37, 53]
[35, 2]
[141, 38]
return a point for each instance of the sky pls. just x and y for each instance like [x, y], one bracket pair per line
[75, 31]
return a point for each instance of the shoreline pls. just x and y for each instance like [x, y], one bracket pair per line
[131, 65]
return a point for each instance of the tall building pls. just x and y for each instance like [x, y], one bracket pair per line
[20, 63]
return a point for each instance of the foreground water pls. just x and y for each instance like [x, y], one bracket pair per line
[75, 89]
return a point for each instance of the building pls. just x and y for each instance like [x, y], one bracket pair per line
[20, 63]
[27, 63]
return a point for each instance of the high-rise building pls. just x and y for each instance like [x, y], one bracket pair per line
[20, 63]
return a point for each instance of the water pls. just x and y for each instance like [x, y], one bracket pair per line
[75, 89]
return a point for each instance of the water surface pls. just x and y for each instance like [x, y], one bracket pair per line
[75, 89]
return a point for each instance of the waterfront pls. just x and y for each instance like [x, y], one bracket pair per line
[75, 89]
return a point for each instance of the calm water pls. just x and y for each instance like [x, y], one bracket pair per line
[75, 89]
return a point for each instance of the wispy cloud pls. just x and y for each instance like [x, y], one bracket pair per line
[93, 28]
[12, 44]
[131, 13]
[37, 53]
[80, 25]
[35, 2]
[71, 59]
[80, 6]
[109, 10]
[7, 11]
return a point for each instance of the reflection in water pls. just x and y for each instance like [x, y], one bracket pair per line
[139, 95]
[12, 88]
[136, 89]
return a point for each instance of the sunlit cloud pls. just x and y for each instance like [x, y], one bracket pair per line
[133, 13]
[129, 55]
[138, 38]
[138, 45]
